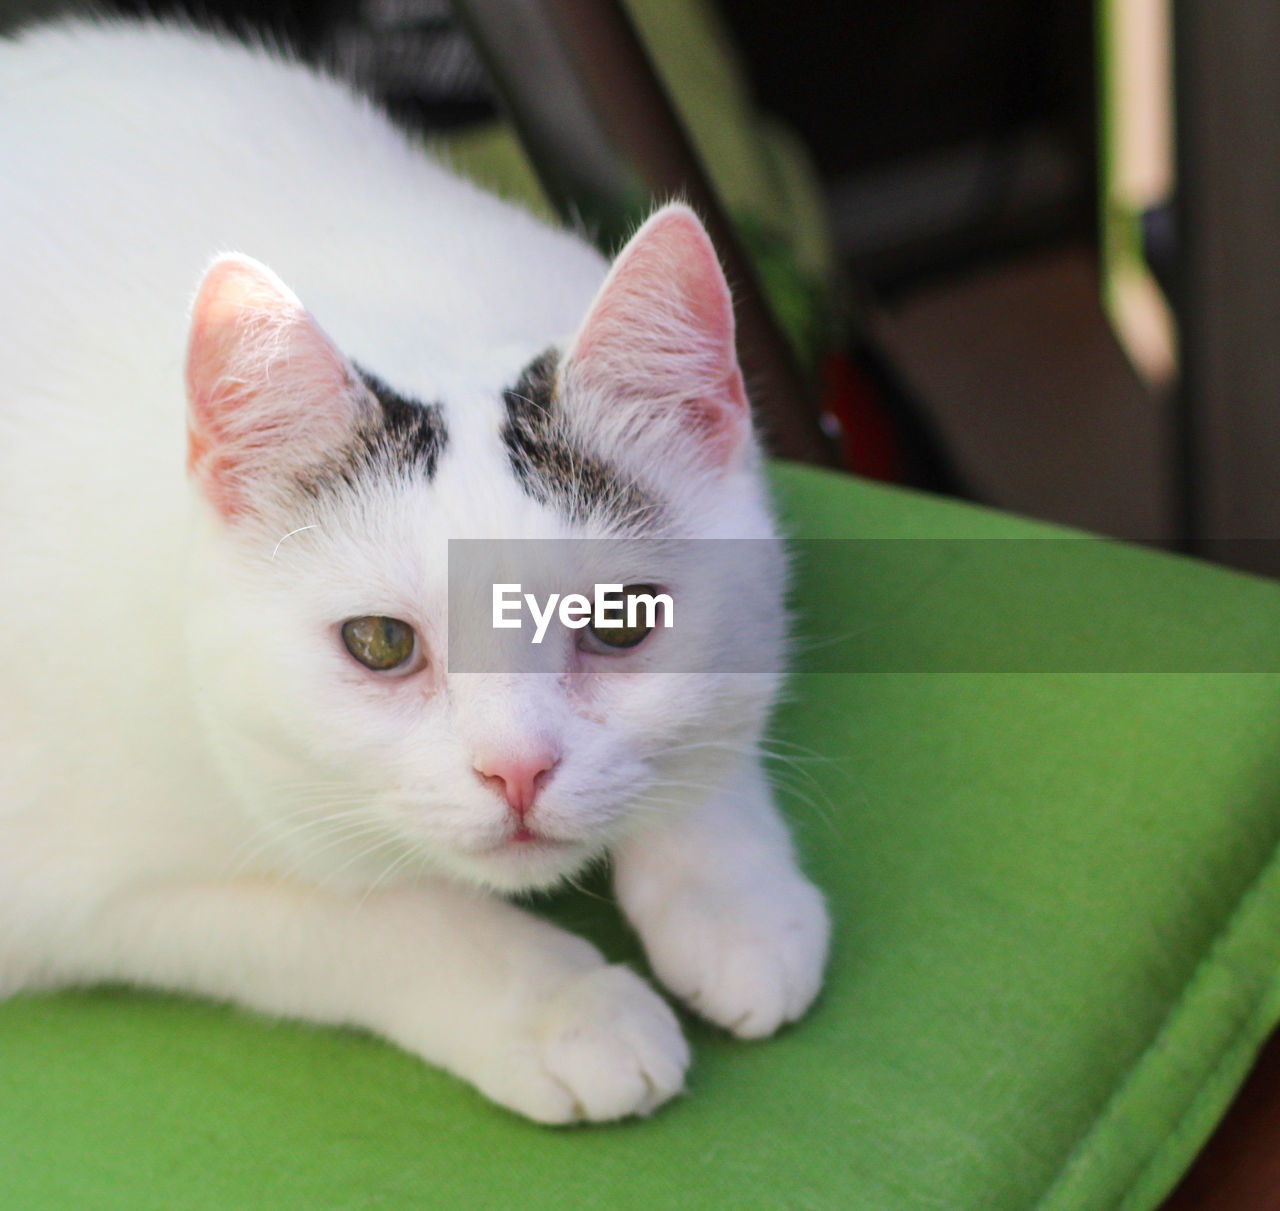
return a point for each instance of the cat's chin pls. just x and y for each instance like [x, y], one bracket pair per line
[514, 867]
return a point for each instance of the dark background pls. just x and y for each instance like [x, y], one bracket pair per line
[956, 146]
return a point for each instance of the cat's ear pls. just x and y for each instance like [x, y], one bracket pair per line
[268, 392]
[658, 338]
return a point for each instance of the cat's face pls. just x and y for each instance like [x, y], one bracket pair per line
[373, 735]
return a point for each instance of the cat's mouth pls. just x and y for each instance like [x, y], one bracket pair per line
[524, 839]
[527, 836]
[529, 860]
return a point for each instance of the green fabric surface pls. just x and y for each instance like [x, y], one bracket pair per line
[1057, 933]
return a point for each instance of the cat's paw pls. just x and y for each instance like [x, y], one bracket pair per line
[604, 1047]
[747, 957]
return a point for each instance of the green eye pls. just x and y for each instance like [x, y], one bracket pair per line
[379, 643]
[618, 638]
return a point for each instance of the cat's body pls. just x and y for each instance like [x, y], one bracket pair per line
[200, 788]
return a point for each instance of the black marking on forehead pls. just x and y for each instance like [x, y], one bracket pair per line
[412, 434]
[399, 438]
[552, 465]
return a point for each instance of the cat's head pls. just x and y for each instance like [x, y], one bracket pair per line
[320, 629]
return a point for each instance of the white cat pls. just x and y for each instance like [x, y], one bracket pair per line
[233, 758]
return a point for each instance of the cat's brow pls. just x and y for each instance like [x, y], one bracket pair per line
[553, 466]
[399, 437]
[413, 433]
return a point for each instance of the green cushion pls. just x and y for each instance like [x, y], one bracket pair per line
[1057, 937]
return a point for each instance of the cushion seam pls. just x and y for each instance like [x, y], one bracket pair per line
[1262, 1015]
[1260, 1010]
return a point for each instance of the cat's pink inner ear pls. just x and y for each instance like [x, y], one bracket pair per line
[266, 387]
[660, 333]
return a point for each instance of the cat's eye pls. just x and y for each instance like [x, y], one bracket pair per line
[381, 644]
[604, 639]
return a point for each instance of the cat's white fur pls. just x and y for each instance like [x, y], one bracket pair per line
[199, 789]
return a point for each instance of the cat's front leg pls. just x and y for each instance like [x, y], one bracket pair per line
[728, 921]
[528, 1013]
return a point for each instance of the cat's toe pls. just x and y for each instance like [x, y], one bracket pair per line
[749, 964]
[616, 1044]
[605, 1047]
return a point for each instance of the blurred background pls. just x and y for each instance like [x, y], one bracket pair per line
[1019, 251]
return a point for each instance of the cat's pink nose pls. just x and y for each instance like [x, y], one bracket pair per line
[517, 776]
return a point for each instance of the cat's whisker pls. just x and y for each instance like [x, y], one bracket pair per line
[667, 808]
[330, 877]
[395, 865]
[824, 813]
[336, 838]
[349, 826]
[575, 882]
[299, 804]
[283, 826]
